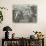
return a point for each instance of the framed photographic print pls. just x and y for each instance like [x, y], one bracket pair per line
[24, 13]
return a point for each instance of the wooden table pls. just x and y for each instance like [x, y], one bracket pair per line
[25, 42]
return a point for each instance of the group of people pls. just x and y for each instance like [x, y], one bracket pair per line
[22, 15]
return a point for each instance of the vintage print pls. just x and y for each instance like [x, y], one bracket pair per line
[25, 13]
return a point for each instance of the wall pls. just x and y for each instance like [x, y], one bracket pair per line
[23, 29]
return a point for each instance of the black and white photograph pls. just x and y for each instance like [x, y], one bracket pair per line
[24, 13]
